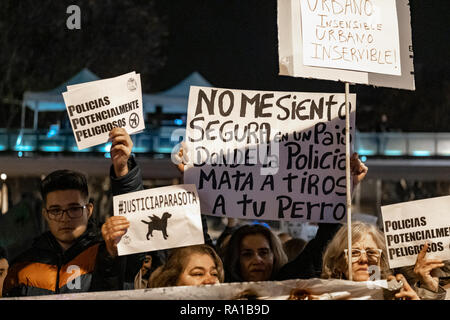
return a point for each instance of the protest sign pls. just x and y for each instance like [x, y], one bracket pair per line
[408, 225]
[99, 82]
[268, 155]
[160, 218]
[96, 108]
[354, 35]
[336, 32]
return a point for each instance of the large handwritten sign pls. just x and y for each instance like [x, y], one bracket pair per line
[351, 34]
[408, 225]
[347, 40]
[268, 155]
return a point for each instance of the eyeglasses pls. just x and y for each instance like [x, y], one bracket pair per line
[73, 212]
[373, 255]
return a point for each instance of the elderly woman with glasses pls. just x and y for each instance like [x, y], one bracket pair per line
[368, 253]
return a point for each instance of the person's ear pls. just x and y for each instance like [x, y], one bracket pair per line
[90, 207]
[44, 213]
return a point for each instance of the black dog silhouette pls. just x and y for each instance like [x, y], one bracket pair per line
[158, 223]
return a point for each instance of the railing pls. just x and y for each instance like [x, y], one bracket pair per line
[159, 141]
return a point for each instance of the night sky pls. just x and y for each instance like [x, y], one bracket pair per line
[232, 43]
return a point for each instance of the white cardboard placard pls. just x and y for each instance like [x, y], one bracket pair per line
[160, 218]
[408, 225]
[268, 155]
[94, 109]
[291, 51]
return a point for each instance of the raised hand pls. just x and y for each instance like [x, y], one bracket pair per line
[120, 150]
[358, 169]
[424, 267]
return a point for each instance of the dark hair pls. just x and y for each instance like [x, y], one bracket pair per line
[293, 247]
[64, 180]
[3, 253]
[232, 254]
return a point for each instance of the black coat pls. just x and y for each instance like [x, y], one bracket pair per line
[46, 269]
[308, 263]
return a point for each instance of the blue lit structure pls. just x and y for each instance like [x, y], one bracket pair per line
[161, 141]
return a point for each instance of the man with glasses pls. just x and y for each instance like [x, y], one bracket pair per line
[70, 257]
[74, 255]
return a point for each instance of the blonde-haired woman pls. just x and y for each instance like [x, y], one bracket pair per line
[368, 249]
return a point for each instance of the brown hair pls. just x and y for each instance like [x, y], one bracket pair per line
[334, 260]
[168, 274]
[232, 254]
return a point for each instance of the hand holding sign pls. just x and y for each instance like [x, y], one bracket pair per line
[120, 150]
[112, 231]
[358, 169]
[424, 267]
[180, 159]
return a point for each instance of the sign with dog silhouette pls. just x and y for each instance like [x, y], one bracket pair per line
[160, 218]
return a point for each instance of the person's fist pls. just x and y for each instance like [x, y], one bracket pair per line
[358, 169]
[112, 231]
[120, 150]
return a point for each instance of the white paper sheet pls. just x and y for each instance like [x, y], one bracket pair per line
[160, 218]
[301, 178]
[95, 108]
[408, 225]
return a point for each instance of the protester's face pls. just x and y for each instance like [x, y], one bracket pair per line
[3, 272]
[66, 229]
[256, 258]
[360, 268]
[200, 269]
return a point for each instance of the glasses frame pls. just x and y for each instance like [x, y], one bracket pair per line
[60, 215]
[361, 251]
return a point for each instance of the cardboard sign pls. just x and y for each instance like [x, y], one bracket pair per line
[268, 155]
[292, 52]
[408, 225]
[95, 108]
[160, 218]
[354, 35]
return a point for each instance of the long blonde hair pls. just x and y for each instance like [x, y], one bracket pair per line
[334, 261]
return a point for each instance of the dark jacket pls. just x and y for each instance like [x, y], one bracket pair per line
[46, 269]
[132, 263]
[308, 263]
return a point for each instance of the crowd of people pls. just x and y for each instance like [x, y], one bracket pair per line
[243, 252]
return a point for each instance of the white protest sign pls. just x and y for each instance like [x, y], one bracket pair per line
[97, 82]
[96, 108]
[292, 52]
[354, 35]
[408, 225]
[268, 155]
[160, 218]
